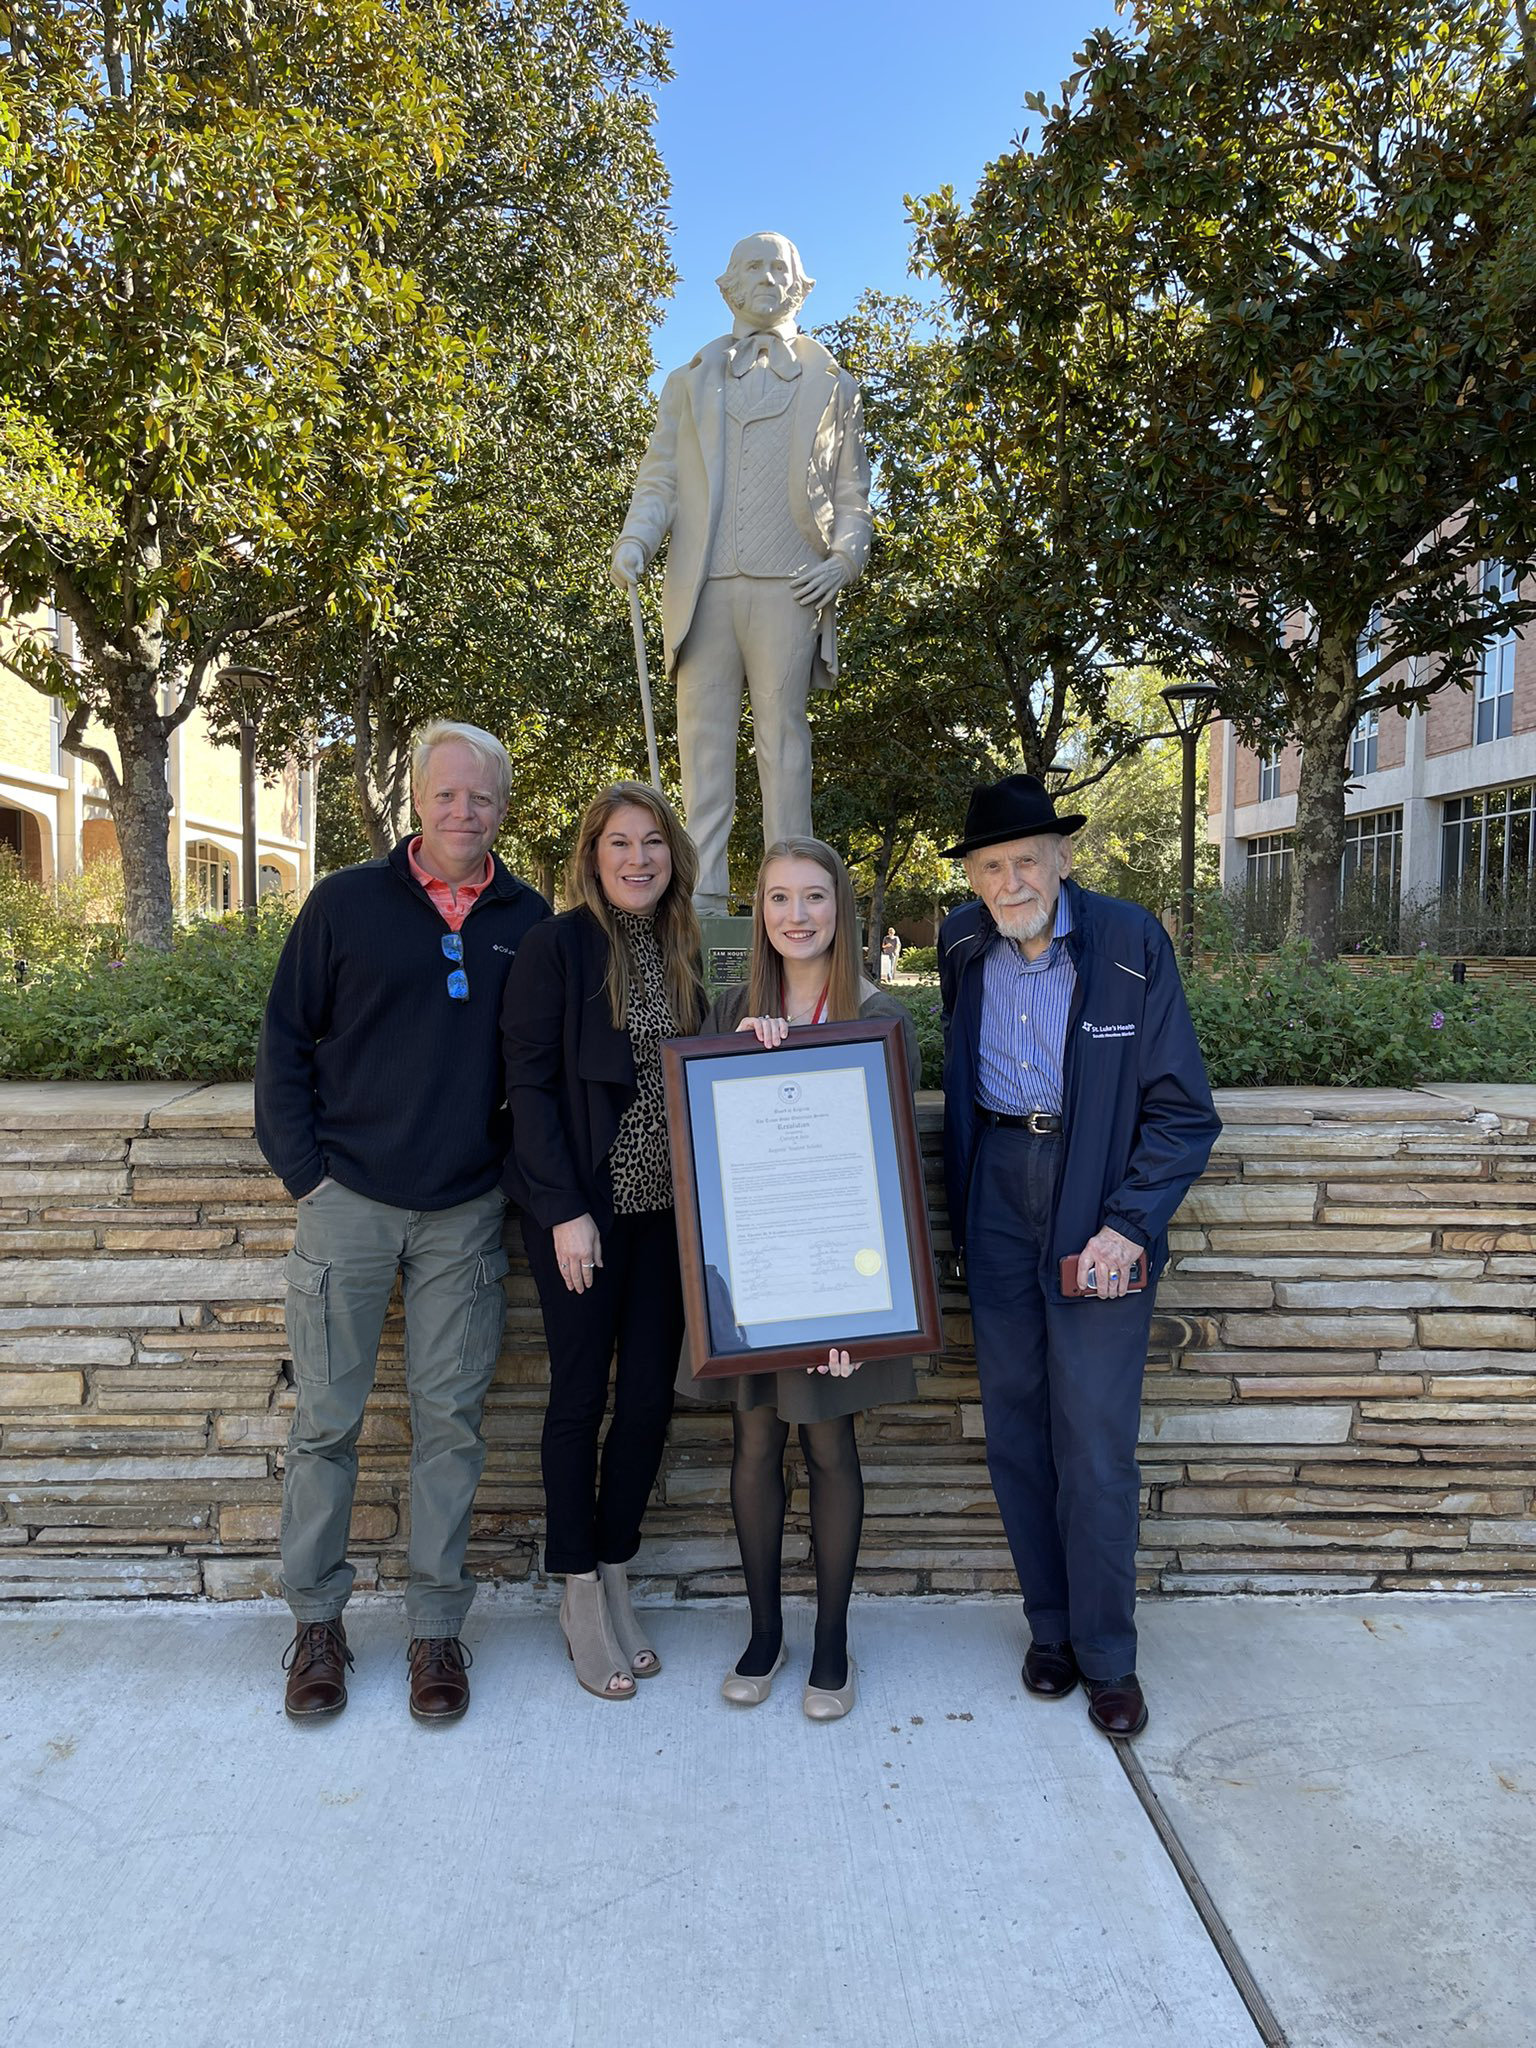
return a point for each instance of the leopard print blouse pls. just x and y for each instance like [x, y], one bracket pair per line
[639, 1159]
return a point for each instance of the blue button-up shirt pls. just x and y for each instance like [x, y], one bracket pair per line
[1024, 1008]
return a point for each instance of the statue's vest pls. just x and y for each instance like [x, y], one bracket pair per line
[756, 534]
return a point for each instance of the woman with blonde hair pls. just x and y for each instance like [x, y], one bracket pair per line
[591, 995]
[804, 969]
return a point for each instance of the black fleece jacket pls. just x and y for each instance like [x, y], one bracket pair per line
[368, 1070]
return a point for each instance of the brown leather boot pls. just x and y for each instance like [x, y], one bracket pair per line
[439, 1684]
[316, 1661]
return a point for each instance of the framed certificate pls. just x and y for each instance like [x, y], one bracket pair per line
[801, 1215]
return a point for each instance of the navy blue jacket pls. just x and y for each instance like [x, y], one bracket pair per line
[368, 1070]
[1137, 1117]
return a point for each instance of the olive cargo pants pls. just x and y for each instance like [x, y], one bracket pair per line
[341, 1271]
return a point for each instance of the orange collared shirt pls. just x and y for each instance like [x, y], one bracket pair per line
[454, 903]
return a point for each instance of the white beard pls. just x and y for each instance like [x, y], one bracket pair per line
[1025, 924]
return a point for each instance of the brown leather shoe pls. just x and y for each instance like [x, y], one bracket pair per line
[317, 1662]
[439, 1685]
[1050, 1670]
[1116, 1706]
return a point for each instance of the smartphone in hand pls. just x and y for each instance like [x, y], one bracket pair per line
[1073, 1292]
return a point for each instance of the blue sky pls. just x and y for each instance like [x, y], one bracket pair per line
[815, 117]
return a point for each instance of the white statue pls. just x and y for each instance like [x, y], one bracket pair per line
[757, 470]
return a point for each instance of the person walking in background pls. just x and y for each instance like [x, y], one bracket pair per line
[591, 997]
[890, 955]
[379, 1106]
[804, 970]
[1076, 1115]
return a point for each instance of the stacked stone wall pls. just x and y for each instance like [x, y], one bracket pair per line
[1341, 1391]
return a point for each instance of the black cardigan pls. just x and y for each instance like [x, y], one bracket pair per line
[570, 1073]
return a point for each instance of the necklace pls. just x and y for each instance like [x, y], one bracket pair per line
[813, 1015]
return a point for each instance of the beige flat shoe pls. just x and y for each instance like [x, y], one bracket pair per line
[751, 1692]
[823, 1704]
[590, 1642]
[638, 1654]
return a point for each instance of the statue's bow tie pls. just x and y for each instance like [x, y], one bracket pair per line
[781, 357]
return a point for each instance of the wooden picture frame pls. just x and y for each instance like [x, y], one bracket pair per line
[802, 1216]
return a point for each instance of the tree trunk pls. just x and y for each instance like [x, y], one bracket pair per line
[1317, 860]
[383, 780]
[876, 930]
[381, 754]
[140, 800]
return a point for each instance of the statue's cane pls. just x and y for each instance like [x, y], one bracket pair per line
[637, 625]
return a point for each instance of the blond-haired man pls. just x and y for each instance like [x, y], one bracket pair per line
[380, 1106]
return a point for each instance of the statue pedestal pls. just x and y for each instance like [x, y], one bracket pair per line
[727, 950]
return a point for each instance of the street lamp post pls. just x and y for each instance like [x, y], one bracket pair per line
[1191, 707]
[249, 683]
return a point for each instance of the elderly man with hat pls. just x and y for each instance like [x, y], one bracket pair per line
[1077, 1113]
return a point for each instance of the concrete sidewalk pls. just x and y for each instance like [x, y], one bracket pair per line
[954, 1866]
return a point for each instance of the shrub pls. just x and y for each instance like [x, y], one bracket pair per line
[1293, 1023]
[43, 927]
[919, 960]
[192, 1014]
[922, 1004]
[1298, 1023]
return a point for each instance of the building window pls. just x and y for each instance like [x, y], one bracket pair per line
[1370, 881]
[55, 735]
[1368, 646]
[210, 879]
[1485, 842]
[1267, 890]
[1494, 715]
[1269, 861]
[1269, 775]
[1373, 852]
[1363, 744]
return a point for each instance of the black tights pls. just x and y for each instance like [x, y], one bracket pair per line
[837, 1517]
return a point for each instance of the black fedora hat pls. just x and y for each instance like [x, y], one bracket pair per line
[1018, 807]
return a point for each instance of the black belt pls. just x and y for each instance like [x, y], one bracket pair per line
[1039, 1123]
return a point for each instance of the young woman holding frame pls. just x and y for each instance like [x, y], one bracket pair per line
[804, 969]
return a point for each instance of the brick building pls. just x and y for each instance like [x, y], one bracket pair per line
[1439, 804]
[54, 814]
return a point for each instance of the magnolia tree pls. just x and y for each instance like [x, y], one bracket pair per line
[543, 247]
[194, 310]
[1302, 246]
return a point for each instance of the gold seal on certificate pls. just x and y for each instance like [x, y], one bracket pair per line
[801, 1213]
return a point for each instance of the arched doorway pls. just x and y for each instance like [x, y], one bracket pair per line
[22, 836]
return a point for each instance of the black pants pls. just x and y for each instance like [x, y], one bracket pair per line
[634, 1308]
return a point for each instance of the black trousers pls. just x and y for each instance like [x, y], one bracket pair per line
[633, 1311]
